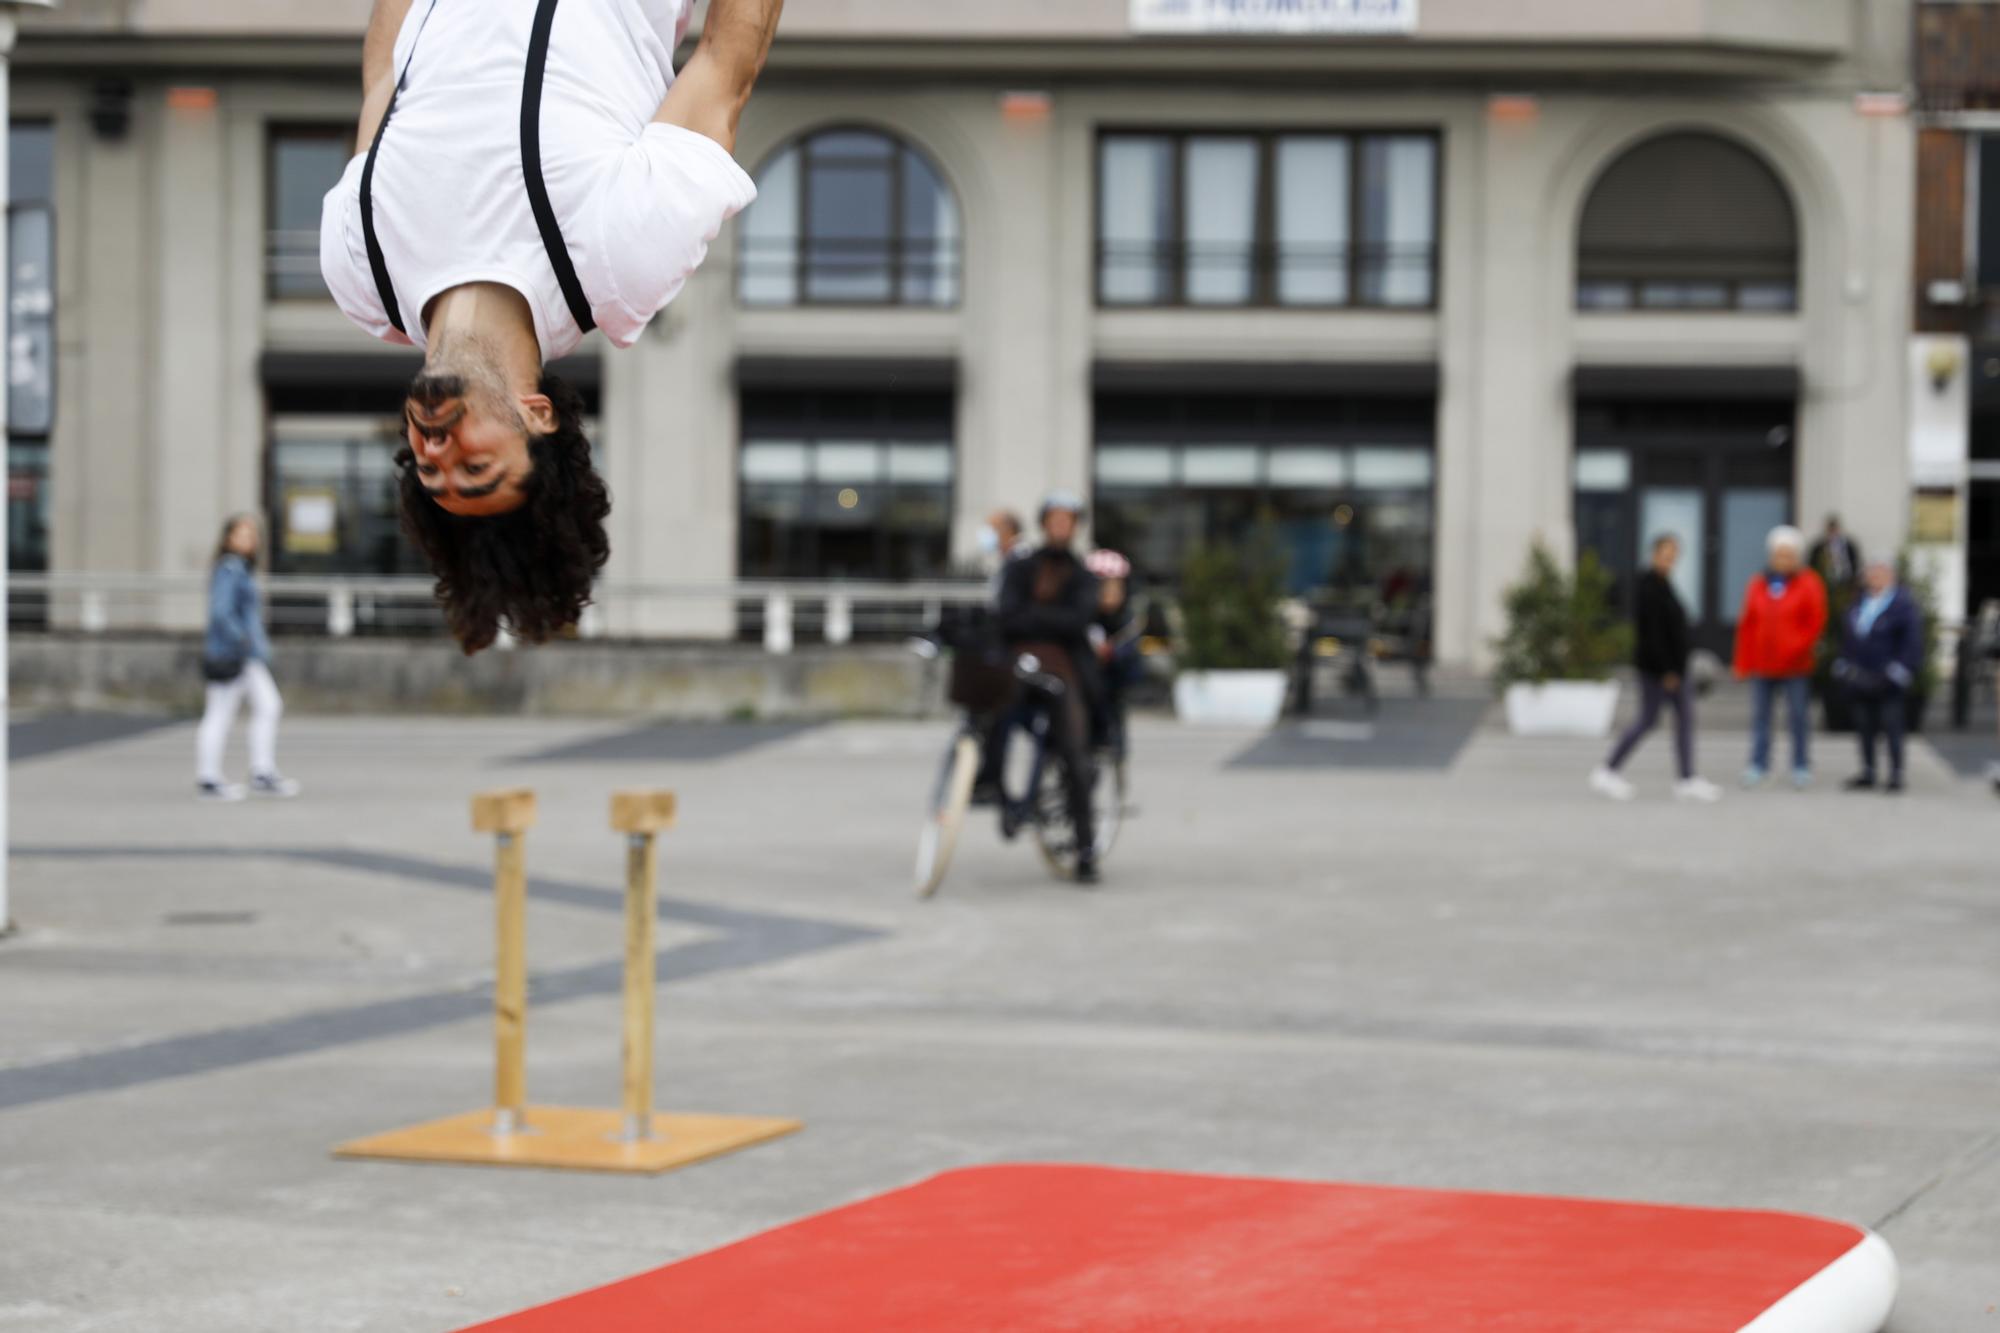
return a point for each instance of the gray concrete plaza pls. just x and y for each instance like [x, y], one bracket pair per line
[1417, 953]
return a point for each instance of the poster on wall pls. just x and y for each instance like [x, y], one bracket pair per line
[1277, 17]
[312, 521]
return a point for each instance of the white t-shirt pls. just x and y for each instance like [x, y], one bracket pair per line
[638, 202]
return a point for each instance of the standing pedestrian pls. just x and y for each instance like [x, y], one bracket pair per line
[1881, 656]
[1777, 635]
[1836, 558]
[1000, 542]
[236, 661]
[1661, 654]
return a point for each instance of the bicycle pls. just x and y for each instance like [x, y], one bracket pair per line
[1041, 806]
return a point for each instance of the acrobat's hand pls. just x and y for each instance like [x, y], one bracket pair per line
[712, 89]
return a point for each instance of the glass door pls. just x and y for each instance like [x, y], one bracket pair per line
[1682, 511]
[1722, 507]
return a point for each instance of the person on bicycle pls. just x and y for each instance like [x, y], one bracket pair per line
[1048, 604]
[1115, 636]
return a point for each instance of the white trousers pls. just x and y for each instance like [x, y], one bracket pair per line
[224, 700]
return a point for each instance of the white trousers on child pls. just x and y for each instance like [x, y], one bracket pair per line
[224, 701]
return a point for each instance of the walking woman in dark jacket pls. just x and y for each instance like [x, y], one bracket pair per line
[1663, 648]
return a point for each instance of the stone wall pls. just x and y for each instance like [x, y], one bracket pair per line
[56, 672]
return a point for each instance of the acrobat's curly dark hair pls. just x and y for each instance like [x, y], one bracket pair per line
[530, 570]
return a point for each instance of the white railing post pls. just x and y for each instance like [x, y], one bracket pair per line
[839, 619]
[93, 616]
[340, 613]
[590, 625]
[777, 622]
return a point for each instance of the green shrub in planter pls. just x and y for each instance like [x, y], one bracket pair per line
[1229, 608]
[1561, 627]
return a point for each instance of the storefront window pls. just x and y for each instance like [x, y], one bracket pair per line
[333, 498]
[846, 485]
[1353, 516]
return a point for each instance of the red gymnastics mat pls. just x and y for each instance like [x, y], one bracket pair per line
[1054, 1249]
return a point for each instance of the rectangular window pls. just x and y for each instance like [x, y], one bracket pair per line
[1398, 219]
[1988, 258]
[1137, 225]
[305, 161]
[846, 485]
[31, 278]
[1219, 201]
[31, 316]
[1313, 179]
[850, 193]
[1288, 219]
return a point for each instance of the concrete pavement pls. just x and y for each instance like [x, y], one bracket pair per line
[1419, 953]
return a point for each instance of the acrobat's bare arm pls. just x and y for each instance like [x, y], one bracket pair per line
[378, 66]
[713, 87]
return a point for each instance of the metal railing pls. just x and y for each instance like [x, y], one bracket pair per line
[777, 613]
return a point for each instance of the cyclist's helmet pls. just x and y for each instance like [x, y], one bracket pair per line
[1108, 565]
[1068, 501]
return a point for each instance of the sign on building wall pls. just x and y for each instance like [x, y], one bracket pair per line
[31, 311]
[1274, 16]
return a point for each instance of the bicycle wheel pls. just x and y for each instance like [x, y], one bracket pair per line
[1055, 835]
[949, 801]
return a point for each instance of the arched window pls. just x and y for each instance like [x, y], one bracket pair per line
[1689, 222]
[849, 217]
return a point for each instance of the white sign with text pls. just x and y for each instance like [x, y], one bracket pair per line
[1274, 16]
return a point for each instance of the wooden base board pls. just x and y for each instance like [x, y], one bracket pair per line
[572, 1139]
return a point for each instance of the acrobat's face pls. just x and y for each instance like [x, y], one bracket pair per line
[471, 446]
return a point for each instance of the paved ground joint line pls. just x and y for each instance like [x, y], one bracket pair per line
[752, 938]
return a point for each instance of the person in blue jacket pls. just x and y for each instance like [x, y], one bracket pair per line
[1881, 657]
[236, 662]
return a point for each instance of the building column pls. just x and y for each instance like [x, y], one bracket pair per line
[189, 421]
[670, 430]
[1857, 410]
[1505, 421]
[1014, 443]
[100, 468]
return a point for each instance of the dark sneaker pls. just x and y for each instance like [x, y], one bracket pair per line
[218, 791]
[985, 794]
[1895, 787]
[1862, 782]
[1086, 873]
[275, 786]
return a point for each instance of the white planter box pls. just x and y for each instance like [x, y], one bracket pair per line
[1562, 708]
[1230, 698]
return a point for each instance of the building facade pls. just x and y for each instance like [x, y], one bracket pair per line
[1416, 292]
[1955, 353]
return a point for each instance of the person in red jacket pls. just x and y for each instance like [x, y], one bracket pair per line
[1777, 638]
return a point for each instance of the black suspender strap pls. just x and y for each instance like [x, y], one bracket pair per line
[531, 169]
[384, 288]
